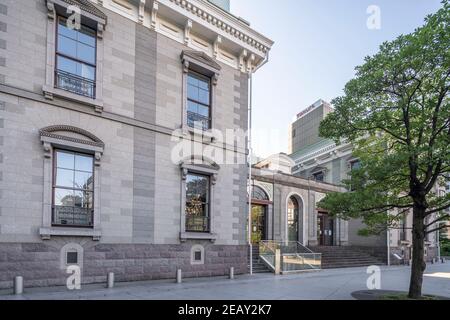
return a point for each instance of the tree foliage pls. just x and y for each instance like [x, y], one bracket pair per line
[396, 114]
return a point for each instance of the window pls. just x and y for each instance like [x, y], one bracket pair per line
[197, 203]
[73, 189]
[197, 255]
[355, 165]
[319, 176]
[402, 227]
[198, 101]
[294, 132]
[72, 257]
[76, 59]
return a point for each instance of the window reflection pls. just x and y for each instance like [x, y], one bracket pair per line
[198, 104]
[73, 189]
[197, 203]
[76, 59]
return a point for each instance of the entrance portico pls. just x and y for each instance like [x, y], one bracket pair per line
[284, 208]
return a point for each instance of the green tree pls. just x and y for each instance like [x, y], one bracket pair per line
[396, 114]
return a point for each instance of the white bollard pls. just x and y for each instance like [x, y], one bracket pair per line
[110, 280]
[277, 262]
[179, 278]
[232, 273]
[18, 285]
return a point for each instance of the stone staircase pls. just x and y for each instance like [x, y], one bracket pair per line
[345, 257]
[258, 265]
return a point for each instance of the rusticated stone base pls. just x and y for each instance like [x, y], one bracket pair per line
[40, 263]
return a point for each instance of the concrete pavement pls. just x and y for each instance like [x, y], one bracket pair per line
[337, 284]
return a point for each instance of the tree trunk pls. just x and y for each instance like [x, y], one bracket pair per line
[418, 264]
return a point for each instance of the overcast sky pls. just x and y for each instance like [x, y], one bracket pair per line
[317, 45]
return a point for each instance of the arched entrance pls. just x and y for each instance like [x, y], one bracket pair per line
[260, 203]
[293, 210]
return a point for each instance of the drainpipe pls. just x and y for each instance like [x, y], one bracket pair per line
[250, 151]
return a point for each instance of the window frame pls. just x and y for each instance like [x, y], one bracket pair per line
[207, 203]
[200, 63]
[204, 167]
[54, 187]
[199, 77]
[315, 174]
[93, 20]
[57, 54]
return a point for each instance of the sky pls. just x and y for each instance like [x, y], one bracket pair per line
[318, 44]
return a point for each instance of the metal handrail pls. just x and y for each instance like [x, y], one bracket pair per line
[293, 255]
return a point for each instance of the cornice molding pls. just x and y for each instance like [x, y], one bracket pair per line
[225, 22]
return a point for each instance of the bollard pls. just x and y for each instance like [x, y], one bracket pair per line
[110, 280]
[18, 285]
[232, 273]
[179, 279]
[277, 262]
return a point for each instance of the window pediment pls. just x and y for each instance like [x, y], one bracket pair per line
[87, 8]
[201, 58]
[71, 134]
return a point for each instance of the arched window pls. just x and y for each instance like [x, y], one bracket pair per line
[292, 218]
[259, 194]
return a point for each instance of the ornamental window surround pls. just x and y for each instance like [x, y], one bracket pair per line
[200, 77]
[75, 69]
[75, 52]
[72, 158]
[198, 180]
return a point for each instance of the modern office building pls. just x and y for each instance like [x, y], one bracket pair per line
[95, 96]
[304, 131]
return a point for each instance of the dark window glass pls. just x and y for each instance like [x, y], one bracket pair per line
[72, 257]
[319, 176]
[76, 59]
[402, 227]
[73, 189]
[198, 102]
[355, 165]
[197, 203]
[198, 255]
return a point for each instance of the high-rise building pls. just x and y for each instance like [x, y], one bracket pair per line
[304, 131]
[224, 4]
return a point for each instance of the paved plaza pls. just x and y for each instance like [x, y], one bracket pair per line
[337, 284]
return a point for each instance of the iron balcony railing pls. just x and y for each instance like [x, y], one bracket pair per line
[75, 84]
[73, 216]
[289, 256]
[197, 121]
[197, 224]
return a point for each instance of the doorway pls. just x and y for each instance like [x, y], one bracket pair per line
[325, 229]
[292, 217]
[258, 223]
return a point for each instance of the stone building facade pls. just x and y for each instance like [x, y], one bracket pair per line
[89, 120]
[287, 207]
